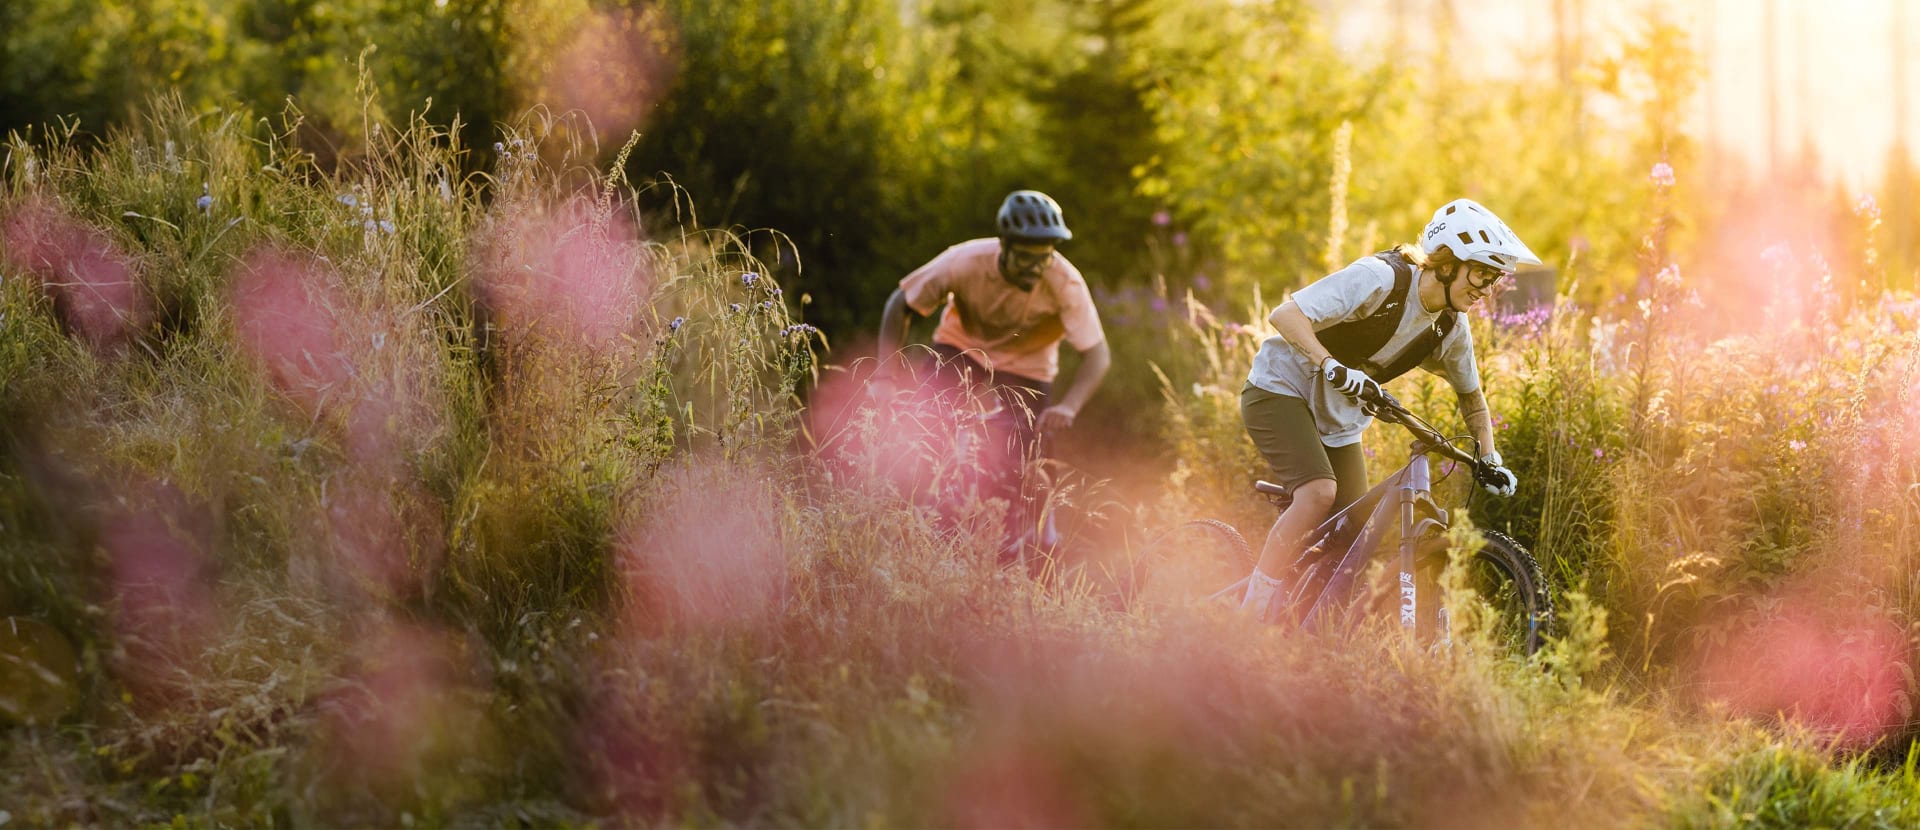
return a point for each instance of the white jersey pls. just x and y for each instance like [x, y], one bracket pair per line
[1353, 293]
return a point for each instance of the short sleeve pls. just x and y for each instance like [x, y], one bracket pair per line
[1347, 294]
[1454, 360]
[1080, 319]
[927, 287]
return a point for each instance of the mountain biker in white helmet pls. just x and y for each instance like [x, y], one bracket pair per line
[1343, 336]
[1010, 300]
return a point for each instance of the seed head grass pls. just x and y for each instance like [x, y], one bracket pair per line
[443, 498]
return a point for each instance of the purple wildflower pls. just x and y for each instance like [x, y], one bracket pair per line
[1662, 174]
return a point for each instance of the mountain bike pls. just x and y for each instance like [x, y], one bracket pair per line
[1325, 586]
[970, 441]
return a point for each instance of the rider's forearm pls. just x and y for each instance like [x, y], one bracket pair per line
[1094, 364]
[1473, 409]
[1292, 323]
[893, 330]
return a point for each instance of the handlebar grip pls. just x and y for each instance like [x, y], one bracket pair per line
[1373, 394]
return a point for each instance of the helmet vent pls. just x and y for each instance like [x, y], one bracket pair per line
[1483, 238]
[1466, 237]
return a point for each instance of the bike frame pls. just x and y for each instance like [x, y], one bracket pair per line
[1407, 496]
[1420, 518]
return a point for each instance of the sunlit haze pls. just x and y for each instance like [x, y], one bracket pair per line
[1834, 65]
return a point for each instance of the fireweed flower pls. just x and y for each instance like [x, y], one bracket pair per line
[1669, 276]
[1162, 218]
[1661, 174]
[1867, 207]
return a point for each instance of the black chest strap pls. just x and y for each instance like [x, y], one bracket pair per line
[1358, 343]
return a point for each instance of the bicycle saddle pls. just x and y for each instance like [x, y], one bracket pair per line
[1271, 488]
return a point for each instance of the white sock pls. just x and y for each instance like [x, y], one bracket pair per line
[1263, 593]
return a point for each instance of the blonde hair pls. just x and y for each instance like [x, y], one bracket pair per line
[1440, 258]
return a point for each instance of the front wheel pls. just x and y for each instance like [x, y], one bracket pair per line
[1505, 576]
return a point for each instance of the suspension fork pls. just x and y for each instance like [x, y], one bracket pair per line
[1420, 518]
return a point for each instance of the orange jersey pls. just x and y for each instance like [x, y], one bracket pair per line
[1006, 329]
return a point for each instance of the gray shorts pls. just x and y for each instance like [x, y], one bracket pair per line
[1282, 428]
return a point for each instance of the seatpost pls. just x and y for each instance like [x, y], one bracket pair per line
[1417, 484]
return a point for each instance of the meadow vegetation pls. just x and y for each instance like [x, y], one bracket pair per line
[397, 495]
[397, 478]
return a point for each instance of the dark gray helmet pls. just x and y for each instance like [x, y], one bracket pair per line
[1030, 214]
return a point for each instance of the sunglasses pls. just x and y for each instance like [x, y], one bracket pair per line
[1485, 278]
[1025, 261]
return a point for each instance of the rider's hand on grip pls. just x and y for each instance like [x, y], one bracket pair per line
[1352, 382]
[1493, 474]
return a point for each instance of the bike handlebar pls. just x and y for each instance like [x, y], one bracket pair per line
[1388, 408]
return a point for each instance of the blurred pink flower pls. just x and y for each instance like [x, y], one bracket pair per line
[90, 279]
[637, 760]
[614, 69]
[708, 552]
[158, 549]
[1661, 174]
[385, 535]
[287, 310]
[1829, 664]
[1011, 785]
[563, 276]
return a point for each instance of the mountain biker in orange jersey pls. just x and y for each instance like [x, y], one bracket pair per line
[1009, 302]
[1343, 336]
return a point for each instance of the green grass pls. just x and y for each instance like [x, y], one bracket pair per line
[609, 584]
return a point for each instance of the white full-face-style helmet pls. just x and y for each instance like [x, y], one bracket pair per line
[1474, 234]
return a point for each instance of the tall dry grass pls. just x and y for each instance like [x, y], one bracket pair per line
[439, 500]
